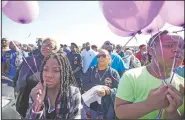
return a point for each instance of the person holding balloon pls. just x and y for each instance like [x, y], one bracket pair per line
[57, 98]
[153, 91]
[27, 76]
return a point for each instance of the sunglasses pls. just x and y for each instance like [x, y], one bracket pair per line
[102, 55]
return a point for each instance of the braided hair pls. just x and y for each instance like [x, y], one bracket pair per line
[67, 79]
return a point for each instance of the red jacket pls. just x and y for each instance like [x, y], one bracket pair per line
[139, 56]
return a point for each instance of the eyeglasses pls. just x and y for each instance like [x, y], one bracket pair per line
[102, 55]
[50, 45]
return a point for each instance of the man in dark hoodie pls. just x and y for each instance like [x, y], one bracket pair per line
[37, 51]
[76, 63]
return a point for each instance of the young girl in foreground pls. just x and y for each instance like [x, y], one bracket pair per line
[141, 93]
[58, 98]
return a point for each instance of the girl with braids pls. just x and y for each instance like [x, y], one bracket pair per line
[58, 96]
[27, 75]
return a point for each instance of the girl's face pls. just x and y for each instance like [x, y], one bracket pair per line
[51, 73]
[172, 48]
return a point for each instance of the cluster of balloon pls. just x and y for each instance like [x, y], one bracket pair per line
[173, 12]
[154, 26]
[127, 18]
[23, 12]
[120, 32]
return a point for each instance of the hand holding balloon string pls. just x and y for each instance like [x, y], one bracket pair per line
[41, 93]
[167, 97]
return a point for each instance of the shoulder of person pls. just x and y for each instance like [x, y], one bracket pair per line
[93, 67]
[8, 51]
[78, 54]
[29, 58]
[74, 90]
[136, 71]
[115, 55]
[178, 78]
[113, 71]
[68, 54]
[90, 70]
[92, 51]
[180, 68]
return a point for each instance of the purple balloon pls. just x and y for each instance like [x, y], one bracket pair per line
[23, 12]
[4, 3]
[130, 16]
[120, 32]
[154, 27]
[173, 12]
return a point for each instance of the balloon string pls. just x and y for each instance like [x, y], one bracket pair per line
[157, 64]
[161, 110]
[35, 62]
[129, 40]
[23, 56]
[35, 66]
[162, 55]
[160, 114]
[28, 65]
[136, 44]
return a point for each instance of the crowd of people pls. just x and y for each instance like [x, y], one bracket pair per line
[50, 79]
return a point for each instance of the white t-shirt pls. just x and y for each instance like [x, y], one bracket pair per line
[87, 57]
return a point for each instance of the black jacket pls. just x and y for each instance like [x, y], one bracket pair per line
[24, 82]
